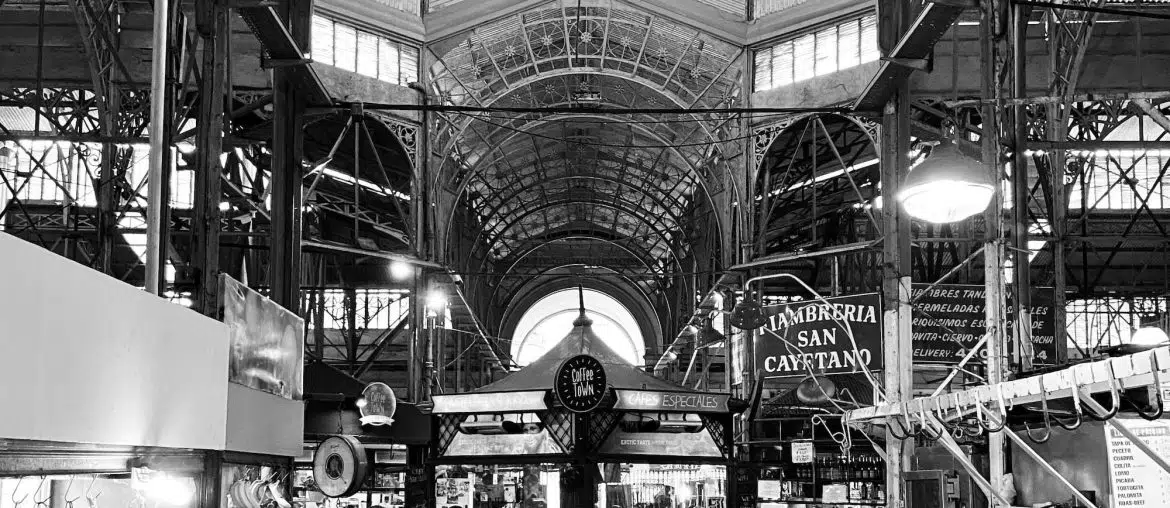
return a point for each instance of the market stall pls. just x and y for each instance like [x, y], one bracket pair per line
[160, 407]
[800, 454]
[391, 435]
[580, 426]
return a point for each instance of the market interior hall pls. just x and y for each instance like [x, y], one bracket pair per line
[584, 253]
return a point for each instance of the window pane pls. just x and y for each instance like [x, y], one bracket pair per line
[848, 45]
[763, 76]
[345, 46]
[367, 54]
[826, 51]
[804, 58]
[409, 72]
[322, 40]
[869, 39]
[388, 56]
[782, 65]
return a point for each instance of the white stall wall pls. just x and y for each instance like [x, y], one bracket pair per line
[87, 358]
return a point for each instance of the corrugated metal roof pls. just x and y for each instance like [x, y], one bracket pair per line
[21, 120]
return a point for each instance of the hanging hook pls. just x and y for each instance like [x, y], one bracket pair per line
[68, 487]
[92, 499]
[905, 426]
[1114, 394]
[1002, 413]
[1047, 423]
[15, 502]
[1156, 371]
[46, 499]
[941, 415]
[1076, 397]
[925, 429]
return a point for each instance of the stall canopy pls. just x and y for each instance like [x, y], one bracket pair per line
[528, 389]
[581, 399]
[331, 409]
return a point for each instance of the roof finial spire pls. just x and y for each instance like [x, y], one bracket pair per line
[582, 319]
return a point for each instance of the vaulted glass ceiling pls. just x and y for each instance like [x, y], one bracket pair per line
[642, 180]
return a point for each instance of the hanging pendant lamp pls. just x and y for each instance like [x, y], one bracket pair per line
[947, 187]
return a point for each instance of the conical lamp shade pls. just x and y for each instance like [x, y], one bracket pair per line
[947, 187]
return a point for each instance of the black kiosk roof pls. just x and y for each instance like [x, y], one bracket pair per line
[527, 389]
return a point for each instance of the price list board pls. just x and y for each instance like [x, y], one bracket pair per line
[1138, 481]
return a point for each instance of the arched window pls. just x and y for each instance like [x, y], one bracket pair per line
[551, 318]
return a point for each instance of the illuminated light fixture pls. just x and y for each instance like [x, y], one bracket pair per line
[947, 187]
[436, 301]
[1149, 336]
[361, 403]
[164, 489]
[401, 270]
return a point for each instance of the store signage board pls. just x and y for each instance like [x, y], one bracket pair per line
[684, 444]
[949, 319]
[377, 405]
[1136, 479]
[814, 336]
[802, 452]
[644, 400]
[771, 490]
[481, 445]
[494, 402]
[580, 383]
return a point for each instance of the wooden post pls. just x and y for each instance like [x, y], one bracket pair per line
[993, 244]
[896, 269]
[213, 24]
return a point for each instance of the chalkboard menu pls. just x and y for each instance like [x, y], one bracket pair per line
[1136, 479]
[949, 319]
[580, 383]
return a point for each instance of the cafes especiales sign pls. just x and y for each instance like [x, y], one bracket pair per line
[813, 336]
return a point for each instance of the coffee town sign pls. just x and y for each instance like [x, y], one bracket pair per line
[580, 383]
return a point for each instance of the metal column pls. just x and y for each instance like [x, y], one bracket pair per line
[287, 153]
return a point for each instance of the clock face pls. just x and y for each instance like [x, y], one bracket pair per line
[580, 383]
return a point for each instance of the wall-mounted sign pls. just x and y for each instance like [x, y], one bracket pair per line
[491, 402]
[580, 383]
[1136, 479]
[949, 319]
[645, 400]
[339, 466]
[814, 336]
[802, 452]
[378, 404]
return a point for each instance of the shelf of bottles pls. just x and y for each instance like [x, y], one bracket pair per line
[832, 478]
[861, 476]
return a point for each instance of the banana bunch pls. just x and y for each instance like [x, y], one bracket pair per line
[250, 494]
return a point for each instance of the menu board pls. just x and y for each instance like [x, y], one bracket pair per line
[949, 319]
[1136, 479]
